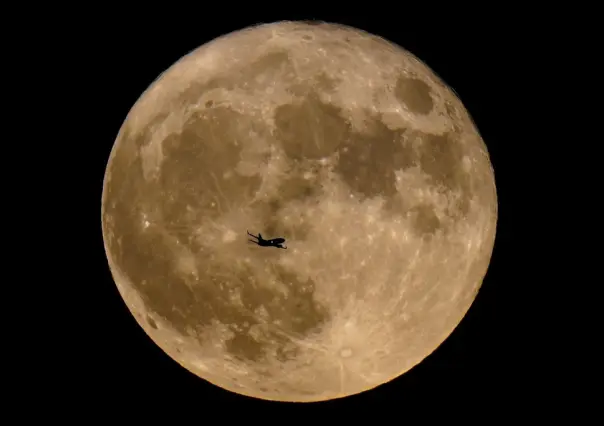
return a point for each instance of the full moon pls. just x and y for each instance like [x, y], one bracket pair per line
[337, 140]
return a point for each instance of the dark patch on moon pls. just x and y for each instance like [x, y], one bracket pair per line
[425, 220]
[297, 188]
[151, 322]
[244, 347]
[440, 157]
[194, 166]
[325, 84]
[414, 94]
[310, 129]
[144, 136]
[367, 161]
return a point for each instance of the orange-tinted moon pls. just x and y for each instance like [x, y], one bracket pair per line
[337, 140]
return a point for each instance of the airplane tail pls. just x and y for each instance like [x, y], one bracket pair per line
[259, 235]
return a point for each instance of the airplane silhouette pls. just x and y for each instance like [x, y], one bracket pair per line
[275, 242]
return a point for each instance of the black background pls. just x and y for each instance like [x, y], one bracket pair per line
[493, 356]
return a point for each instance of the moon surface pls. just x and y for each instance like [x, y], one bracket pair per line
[339, 141]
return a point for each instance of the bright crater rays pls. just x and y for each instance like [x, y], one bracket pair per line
[341, 142]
